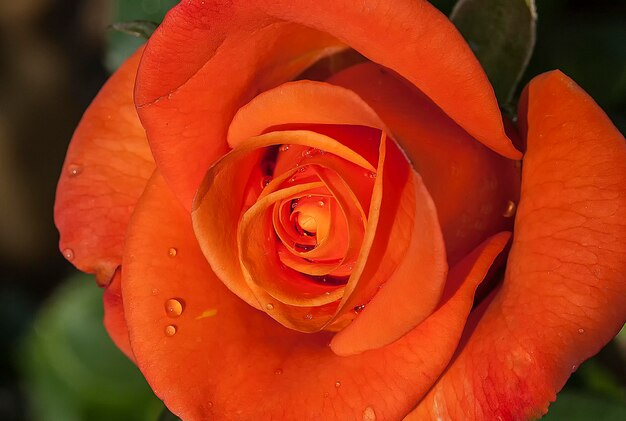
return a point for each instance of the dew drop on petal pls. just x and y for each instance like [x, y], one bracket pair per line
[173, 307]
[326, 394]
[581, 330]
[337, 384]
[359, 308]
[210, 404]
[510, 209]
[369, 414]
[308, 316]
[278, 371]
[284, 148]
[369, 174]
[155, 291]
[265, 181]
[269, 306]
[68, 254]
[321, 203]
[73, 170]
[170, 330]
[172, 252]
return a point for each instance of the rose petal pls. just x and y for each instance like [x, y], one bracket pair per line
[564, 294]
[223, 345]
[106, 168]
[414, 244]
[200, 66]
[303, 102]
[470, 185]
[209, 58]
[114, 320]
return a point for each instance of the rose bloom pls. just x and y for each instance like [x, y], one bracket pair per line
[281, 241]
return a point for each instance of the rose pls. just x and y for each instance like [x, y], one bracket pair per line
[415, 347]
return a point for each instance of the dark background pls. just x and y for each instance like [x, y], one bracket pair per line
[56, 362]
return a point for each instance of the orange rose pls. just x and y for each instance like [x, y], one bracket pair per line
[261, 218]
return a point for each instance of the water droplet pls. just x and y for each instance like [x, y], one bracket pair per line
[369, 414]
[278, 371]
[326, 394]
[337, 384]
[574, 367]
[510, 209]
[269, 306]
[370, 174]
[210, 404]
[358, 309]
[294, 204]
[581, 330]
[170, 330]
[73, 170]
[284, 148]
[321, 203]
[308, 316]
[173, 307]
[68, 254]
[155, 291]
[292, 179]
[302, 169]
[172, 252]
[265, 181]
[327, 293]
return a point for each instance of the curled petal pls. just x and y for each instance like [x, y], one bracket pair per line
[302, 102]
[416, 282]
[564, 292]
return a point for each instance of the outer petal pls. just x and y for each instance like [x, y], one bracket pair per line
[227, 360]
[208, 58]
[564, 294]
[106, 168]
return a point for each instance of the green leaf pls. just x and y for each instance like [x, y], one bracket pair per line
[502, 35]
[121, 45]
[583, 407]
[137, 28]
[72, 369]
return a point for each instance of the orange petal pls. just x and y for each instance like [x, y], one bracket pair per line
[209, 58]
[564, 293]
[114, 321]
[221, 344]
[470, 185]
[217, 209]
[200, 66]
[106, 168]
[414, 243]
[301, 102]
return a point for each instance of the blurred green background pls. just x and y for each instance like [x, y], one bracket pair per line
[56, 361]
